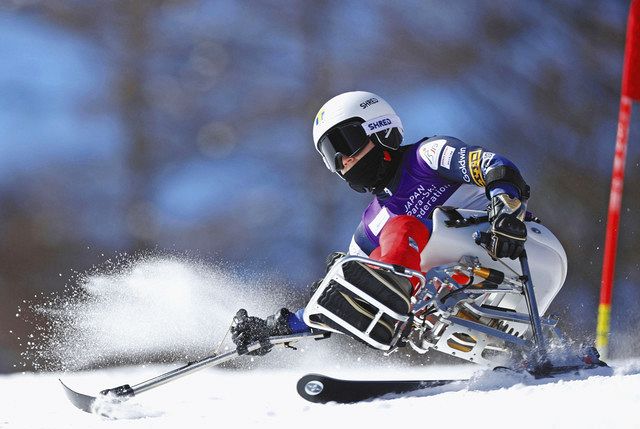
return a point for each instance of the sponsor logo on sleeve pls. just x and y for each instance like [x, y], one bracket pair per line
[447, 156]
[462, 164]
[430, 152]
[486, 158]
[475, 158]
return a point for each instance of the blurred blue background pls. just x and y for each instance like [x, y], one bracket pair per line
[185, 126]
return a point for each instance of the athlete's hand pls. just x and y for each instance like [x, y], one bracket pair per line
[508, 235]
[508, 231]
[247, 329]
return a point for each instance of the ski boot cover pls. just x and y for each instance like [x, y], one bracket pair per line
[370, 298]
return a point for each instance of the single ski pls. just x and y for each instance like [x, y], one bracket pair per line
[321, 389]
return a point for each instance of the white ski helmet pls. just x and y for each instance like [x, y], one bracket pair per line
[346, 123]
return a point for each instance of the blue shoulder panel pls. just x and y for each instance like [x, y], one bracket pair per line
[461, 163]
[362, 239]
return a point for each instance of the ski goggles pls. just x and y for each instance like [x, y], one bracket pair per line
[349, 138]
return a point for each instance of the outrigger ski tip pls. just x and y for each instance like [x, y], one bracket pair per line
[79, 400]
[86, 403]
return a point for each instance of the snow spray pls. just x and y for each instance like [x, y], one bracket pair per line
[140, 309]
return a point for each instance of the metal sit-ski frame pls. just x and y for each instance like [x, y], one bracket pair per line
[483, 334]
[336, 275]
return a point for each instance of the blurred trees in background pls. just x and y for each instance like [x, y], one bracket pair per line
[211, 105]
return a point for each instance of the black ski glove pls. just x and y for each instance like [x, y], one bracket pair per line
[247, 329]
[508, 231]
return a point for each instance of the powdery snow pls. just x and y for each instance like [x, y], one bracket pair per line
[216, 397]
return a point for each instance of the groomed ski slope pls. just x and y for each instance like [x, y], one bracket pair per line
[218, 398]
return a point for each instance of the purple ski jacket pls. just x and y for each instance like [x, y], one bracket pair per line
[435, 171]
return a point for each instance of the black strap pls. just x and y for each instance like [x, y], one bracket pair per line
[504, 173]
[456, 220]
[453, 215]
[408, 328]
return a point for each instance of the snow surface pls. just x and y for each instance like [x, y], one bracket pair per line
[180, 310]
[265, 398]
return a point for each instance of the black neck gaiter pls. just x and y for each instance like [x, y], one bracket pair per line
[366, 173]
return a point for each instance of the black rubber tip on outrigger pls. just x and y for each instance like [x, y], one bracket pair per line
[124, 391]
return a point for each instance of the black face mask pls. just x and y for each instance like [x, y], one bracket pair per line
[367, 172]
